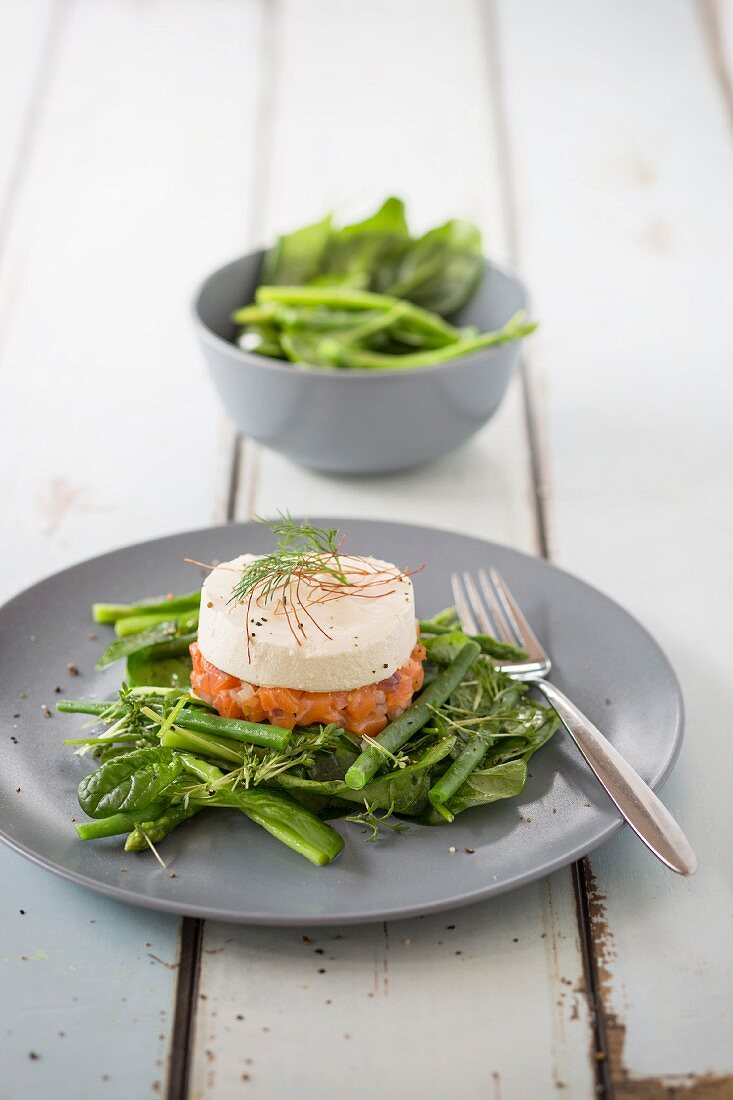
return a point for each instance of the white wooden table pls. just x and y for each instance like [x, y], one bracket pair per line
[143, 143]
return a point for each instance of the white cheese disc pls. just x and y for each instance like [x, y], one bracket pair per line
[370, 630]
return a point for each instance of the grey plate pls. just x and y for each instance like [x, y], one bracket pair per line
[228, 869]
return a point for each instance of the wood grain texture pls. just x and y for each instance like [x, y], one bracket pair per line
[120, 185]
[363, 113]
[624, 170]
[426, 1007]
[86, 985]
[132, 192]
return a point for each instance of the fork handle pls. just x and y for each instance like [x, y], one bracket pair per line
[648, 817]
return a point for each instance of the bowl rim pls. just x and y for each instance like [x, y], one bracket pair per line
[278, 366]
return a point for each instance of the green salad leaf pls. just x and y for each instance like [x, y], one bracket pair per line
[356, 251]
[129, 782]
[485, 785]
[399, 290]
[440, 271]
[297, 257]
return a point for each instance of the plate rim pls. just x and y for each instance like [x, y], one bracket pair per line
[404, 912]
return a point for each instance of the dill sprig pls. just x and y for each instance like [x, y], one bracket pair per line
[304, 556]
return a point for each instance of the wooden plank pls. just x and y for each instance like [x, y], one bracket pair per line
[372, 108]
[128, 200]
[623, 172]
[28, 35]
[266, 1014]
[86, 985]
[420, 1007]
[116, 169]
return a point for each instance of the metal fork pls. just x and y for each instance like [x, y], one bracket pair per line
[499, 614]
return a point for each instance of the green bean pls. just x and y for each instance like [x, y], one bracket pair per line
[414, 718]
[156, 830]
[190, 718]
[135, 624]
[491, 646]
[329, 296]
[467, 761]
[432, 626]
[318, 319]
[286, 820]
[84, 706]
[219, 747]
[238, 729]
[111, 612]
[254, 315]
[347, 298]
[207, 773]
[119, 823]
[354, 357]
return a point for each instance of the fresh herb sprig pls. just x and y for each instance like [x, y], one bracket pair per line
[305, 556]
[373, 822]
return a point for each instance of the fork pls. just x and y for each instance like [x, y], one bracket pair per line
[498, 613]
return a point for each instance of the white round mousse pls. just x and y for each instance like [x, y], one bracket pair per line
[368, 638]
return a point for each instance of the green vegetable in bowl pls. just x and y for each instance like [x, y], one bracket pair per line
[370, 296]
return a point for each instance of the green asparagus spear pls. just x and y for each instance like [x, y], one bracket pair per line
[414, 718]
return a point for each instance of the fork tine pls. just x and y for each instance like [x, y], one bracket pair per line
[465, 616]
[477, 606]
[502, 626]
[514, 613]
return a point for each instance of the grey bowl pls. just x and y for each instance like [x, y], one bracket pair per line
[356, 421]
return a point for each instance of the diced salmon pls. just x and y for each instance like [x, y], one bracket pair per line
[365, 710]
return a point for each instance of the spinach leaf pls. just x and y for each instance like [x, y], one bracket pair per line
[144, 670]
[405, 790]
[357, 250]
[439, 271]
[130, 782]
[297, 257]
[170, 639]
[489, 785]
[443, 647]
